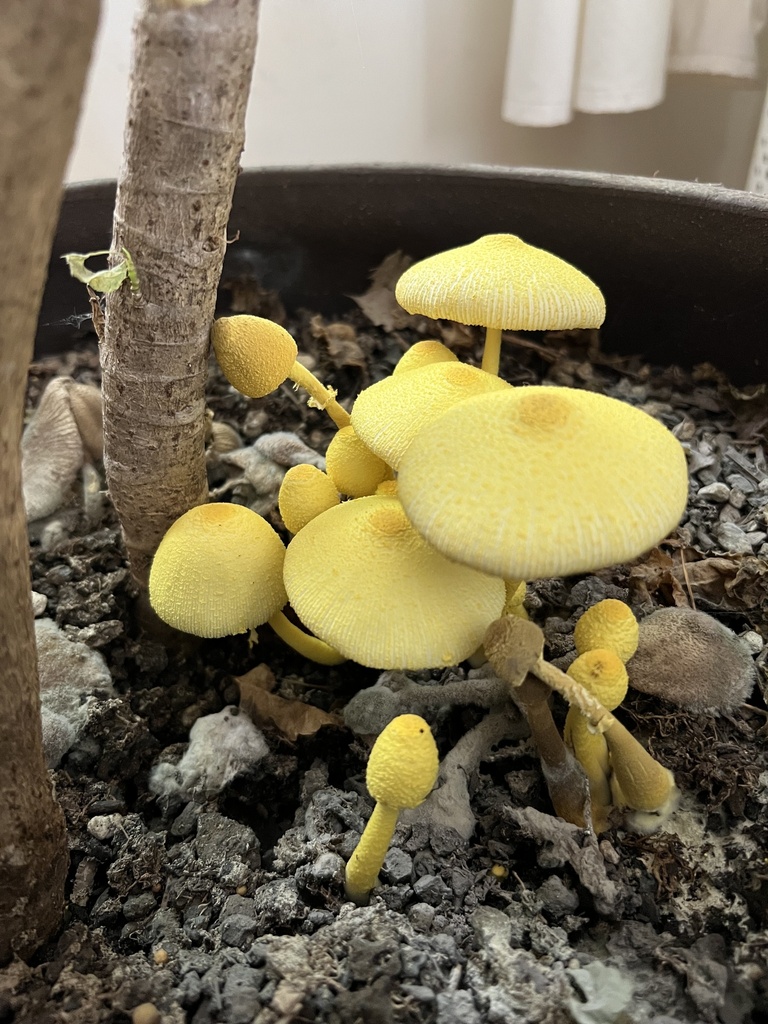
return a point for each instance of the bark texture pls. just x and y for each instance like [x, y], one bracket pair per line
[190, 82]
[44, 51]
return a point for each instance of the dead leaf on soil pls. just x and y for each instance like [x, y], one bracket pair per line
[64, 432]
[291, 718]
[340, 341]
[732, 583]
[378, 302]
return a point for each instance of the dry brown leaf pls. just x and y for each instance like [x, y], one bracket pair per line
[340, 341]
[378, 302]
[291, 718]
[657, 573]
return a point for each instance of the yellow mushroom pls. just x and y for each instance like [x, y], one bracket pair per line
[609, 623]
[257, 355]
[389, 414]
[603, 675]
[638, 781]
[402, 770]
[423, 353]
[501, 283]
[305, 492]
[218, 571]
[352, 466]
[543, 481]
[361, 578]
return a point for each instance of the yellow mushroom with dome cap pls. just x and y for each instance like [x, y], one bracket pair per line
[401, 773]
[361, 578]
[257, 355]
[501, 283]
[218, 571]
[543, 481]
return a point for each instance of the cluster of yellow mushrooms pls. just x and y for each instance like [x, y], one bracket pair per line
[445, 489]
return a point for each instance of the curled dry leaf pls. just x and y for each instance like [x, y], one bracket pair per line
[64, 432]
[378, 302]
[341, 342]
[291, 718]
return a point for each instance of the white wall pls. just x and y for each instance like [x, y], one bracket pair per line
[358, 81]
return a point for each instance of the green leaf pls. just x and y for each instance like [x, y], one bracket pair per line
[105, 281]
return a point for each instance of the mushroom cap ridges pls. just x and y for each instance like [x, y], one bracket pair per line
[255, 355]
[543, 481]
[388, 415]
[602, 673]
[362, 579]
[403, 764]
[305, 492]
[218, 571]
[609, 623]
[502, 282]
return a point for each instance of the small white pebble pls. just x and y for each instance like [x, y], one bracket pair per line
[39, 603]
[753, 641]
[104, 826]
[717, 492]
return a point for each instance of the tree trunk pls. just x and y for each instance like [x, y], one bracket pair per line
[190, 82]
[44, 50]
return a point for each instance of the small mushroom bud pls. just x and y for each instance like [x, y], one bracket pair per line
[608, 624]
[402, 770]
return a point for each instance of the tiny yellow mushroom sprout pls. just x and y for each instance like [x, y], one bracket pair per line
[361, 578]
[218, 571]
[543, 481]
[609, 623]
[257, 355]
[402, 770]
[501, 283]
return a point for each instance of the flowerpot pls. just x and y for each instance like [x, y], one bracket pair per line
[198, 890]
[682, 265]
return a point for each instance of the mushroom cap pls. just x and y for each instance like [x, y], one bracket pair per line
[500, 281]
[305, 492]
[543, 481]
[362, 579]
[352, 466]
[403, 764]
[255, 355]
[609, 623]
[388, 415]
[602, 673]
[218, 571]
[423, 353]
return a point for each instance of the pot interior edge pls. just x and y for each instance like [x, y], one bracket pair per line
[682, 265]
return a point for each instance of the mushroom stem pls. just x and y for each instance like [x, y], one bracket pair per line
[323, 397]
[365, 863]
[577, 696]
[311, 647]
[645, 784]
[492, 350]
[566, 783]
